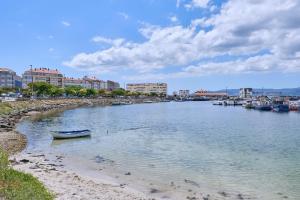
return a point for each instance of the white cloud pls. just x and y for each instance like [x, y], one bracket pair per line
[197, 4]
[124, 15]
[65, 23]
[51, 49]
[114, 42]
[173, 18]
[236, 32]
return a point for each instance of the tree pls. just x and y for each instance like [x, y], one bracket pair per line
[40, 88]
[101, 92]
[56, 91]
[73, 90]
[91, 92]
[153, 94]
[118, 92]
[82, 92]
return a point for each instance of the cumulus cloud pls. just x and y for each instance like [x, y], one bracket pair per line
[257, 36]
[113, 42]
[65, 23]
[197, 4]
[123, 15]
[173, 18]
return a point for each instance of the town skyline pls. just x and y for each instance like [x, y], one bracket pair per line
[189, 44]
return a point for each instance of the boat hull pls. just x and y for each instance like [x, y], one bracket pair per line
[281, 108]
[70, 134]
[263, 108]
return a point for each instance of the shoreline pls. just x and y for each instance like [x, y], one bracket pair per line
[13, 142]
[64, 184]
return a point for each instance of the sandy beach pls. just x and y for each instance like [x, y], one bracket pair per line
[65, 184]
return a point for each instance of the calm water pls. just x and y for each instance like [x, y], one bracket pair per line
[217, 148]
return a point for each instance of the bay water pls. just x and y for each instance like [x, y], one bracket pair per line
[189, 148]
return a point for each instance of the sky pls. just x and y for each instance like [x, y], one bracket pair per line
[189, 44]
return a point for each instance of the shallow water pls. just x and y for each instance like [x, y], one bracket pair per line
[192, 144]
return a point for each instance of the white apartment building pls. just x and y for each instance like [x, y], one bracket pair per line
[53, 77]
[184, 93]
[76, 82]
[246, 93]
[9, 79]
[148, 88]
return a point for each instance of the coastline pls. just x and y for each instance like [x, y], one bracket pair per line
[64, 184]
[67, 184]
[12, 142]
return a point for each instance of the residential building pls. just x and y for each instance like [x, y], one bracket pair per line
[111, 85]
[9, 79]
[246, 93]
[147, 88]
[184, 93]
[103, 85]
[51, 76]
[94, 82]
[76, 82]
[205, 93]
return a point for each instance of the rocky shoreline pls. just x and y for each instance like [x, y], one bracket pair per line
[12, 142]
[49, 169]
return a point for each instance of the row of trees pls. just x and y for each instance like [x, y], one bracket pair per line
[42, 89]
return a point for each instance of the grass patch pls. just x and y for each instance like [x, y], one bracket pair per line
[5, 108]
[18, 185]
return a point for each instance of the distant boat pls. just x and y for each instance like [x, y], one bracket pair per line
[263, 106]
[294, 105]
[148, 101]
[248, 105]
[70, 134]
[201, 98]
[165, 100]
[218, 103]
[281, 108]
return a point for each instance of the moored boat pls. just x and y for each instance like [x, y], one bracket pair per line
[70, 134]
[281, 108]
[248, 105]
[218, 103]
[148, 101]
[263, 106]
[294, 105]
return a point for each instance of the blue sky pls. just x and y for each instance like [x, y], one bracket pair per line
[190, 44]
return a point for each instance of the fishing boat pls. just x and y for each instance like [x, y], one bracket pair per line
[281, 108]
[70, 134]
[263, 107]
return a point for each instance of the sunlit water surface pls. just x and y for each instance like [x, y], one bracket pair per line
[215, 148]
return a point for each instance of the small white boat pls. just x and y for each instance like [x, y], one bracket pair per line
[70, 134]
[218, 103]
